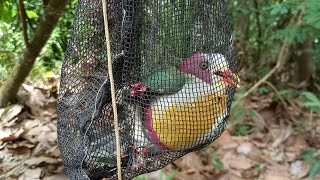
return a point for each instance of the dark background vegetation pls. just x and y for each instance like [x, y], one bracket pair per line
[277, 45]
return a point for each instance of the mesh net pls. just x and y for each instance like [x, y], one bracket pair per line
[174, 73]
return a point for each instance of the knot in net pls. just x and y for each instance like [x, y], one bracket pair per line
[174, 74]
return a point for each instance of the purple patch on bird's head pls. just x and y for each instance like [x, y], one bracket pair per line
[198, 66]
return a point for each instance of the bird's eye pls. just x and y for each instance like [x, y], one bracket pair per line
[203, 65]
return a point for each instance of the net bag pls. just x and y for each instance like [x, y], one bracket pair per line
[174, 73]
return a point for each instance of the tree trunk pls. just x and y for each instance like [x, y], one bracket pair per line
[304, 61]
[11, 86]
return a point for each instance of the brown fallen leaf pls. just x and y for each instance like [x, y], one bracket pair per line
[236, 161]
[35, 101]
[191, 161]
[282, 137]
[191, 175]
[296, 143]
[229, 146]
[2, 110]
[259, 144]
[31, 174]
[27, 87]
[2, 144]
[36, 98]
[35, 161]
[25, 143]
[13, 172]
[26, 152]
[277, 172]
[225, 138]
[29, 124]
[11, 123]
[10, 112]
[51, 106]
[41, 148]
[5, 133]
[33, 134]
[54, 151]
[60, 176]
[47, 136]
[155, 175]
[11, 135]
[229, 176]
[241, 162]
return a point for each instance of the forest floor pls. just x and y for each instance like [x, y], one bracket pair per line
[270, 140]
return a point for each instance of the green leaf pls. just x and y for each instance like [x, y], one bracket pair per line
[141, 177]
[7, 11]
[242, 130]
[32, 14]
[218, 164]
[311, 97]
[311, 104]
[237, 112]
[308, 156]
[312, 13]
[172, 175]
[252, 113]
[289, 93]
[314, 170]
[263, 90]
[311, 101]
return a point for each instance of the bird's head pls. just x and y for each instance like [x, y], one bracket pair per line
[210, 68]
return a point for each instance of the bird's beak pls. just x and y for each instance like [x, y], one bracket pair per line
[229, 77]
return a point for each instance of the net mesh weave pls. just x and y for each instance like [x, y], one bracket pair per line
[172, 63]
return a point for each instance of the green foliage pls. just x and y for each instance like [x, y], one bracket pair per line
[237, 108]
[314, 170]
[32, 14]
[11, 47]
[216, 162]
[263, 90]
[242, 129]
[256, 169]
[275, 28]
[252, 113]
[12, 42]
[237, 112]
[141, 177]
[311, 101]
[289, 93]
[312, 13]
[309, 157]
[309, 27]
[8, 10]
[170, 176]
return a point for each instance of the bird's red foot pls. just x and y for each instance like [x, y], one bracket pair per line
[139, 160]
[138, 88]
[142, 151]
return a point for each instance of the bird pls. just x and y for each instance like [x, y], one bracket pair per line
[164, 81]
[186, 118]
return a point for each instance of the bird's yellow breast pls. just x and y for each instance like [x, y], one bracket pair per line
[181, 125]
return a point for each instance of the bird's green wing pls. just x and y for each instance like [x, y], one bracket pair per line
[166, 81]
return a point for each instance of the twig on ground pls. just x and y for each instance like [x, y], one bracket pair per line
[284, 54]
[284, 104]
